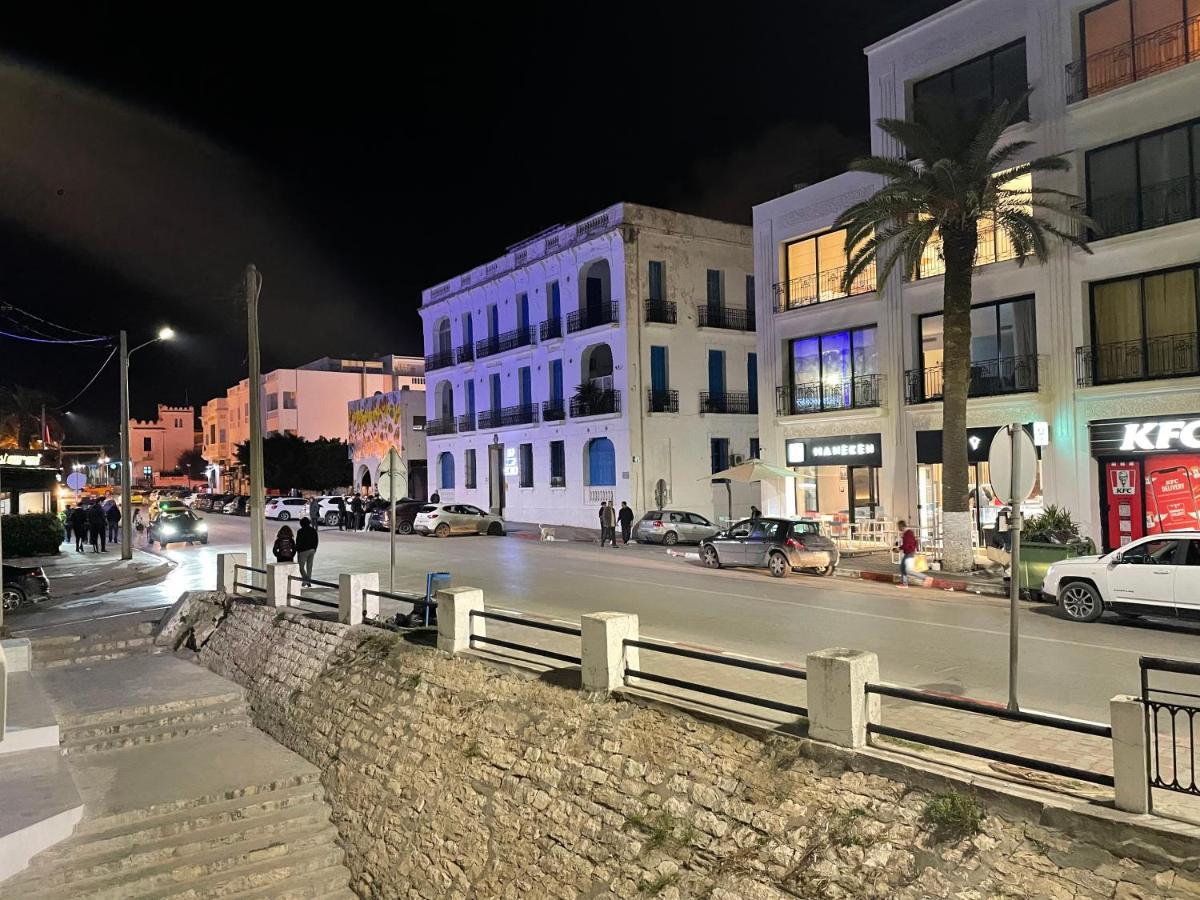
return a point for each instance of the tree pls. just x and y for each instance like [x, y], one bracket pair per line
[21, 416]
[955, 178]
[292, 462]
[192, 463]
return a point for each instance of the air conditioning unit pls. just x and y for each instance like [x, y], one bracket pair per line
[736, 459]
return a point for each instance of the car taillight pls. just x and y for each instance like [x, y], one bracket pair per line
[798, 545]
[658, 524]
[432, 515]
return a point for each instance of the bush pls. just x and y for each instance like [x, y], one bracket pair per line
[952, 816]
[32, 534]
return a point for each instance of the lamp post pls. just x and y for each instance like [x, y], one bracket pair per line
[164, 334]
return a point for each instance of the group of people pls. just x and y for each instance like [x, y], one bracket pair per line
[300, 547]
[96, 523]
[610, 518]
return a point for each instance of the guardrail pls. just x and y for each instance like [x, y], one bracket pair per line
[300, 598]
[540, 624]
[247, 586]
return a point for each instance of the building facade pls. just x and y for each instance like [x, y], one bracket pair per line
[156, 445]
[389, 421]
[610, 359]
[1096, 354]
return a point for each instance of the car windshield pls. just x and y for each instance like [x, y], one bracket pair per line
[177, 515]
[805, 528]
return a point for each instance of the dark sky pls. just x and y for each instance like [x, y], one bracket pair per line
[145, 158]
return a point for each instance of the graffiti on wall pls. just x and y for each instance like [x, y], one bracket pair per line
[376, 425]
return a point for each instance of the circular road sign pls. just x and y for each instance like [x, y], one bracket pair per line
[1000, 456]
[77, 481]
[393, 476]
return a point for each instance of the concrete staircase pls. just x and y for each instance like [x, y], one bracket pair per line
[135, 725]
[104, 641]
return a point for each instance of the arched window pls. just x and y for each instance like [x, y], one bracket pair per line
[444, 395]
[443, 335]
[446, 471]
[600, 462]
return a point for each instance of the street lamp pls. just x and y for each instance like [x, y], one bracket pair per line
[164, 334]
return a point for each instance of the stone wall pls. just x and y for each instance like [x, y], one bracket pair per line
[454, 777]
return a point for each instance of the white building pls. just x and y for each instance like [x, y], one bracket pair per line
[156, 445]
[611, 359]
[1089, 344]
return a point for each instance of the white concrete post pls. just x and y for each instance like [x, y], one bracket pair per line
[3, 693]
[226, 574]
[352, 605]
[602, 649]
[1131, 780]
[277, 582]
[454, 618]
[839, 707]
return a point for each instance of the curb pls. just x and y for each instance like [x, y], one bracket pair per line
[932, 582]
[147, 575]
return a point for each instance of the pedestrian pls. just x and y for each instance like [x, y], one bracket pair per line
[608, 524]
[113, 516]
[285, 545]
[138, 524]
[306, 549]
[341, 509]
[436, 498]
[356, 509]
[314, 510]
[79, 524]
[64, 519]
[908, 552]
[625, 517]
[755, 513]
[97, 527]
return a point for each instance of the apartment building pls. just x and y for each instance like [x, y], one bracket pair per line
[155, 445]
[1096, 354]
[610, 359]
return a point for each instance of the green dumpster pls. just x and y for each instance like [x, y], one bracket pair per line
[1037, 557]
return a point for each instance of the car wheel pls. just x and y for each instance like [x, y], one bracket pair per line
[670, 539]
[1080, 602]
[710, 558]
[828, 570]
[442, 530]
[778, 565]
[13, 598]
[284, 516]
[331, 518]
[405, 528]
[496, 530]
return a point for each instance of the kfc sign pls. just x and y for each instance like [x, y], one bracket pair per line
[1175, 434]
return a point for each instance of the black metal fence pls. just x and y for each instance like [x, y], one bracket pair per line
[862, 392]
[553, 410]
[1150, 206]
[723, 317]
[444, 425]
[662, 401]
[592, 315]
[731, 402]
[963, 704]
[989, 378]
[466, 423]
[1166, 356]
[465, 354]
[424, 609]
[439, 360]
[551, 328]
[1171, 727]
[502, 343]
[597, 403]
[662, 311]
[311, 582]
[820, 287]
[245, 585]
[539, 624]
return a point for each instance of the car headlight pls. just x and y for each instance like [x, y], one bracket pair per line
[168, 529]
[201, 526]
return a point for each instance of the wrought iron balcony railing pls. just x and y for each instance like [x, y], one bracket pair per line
[662, 401]
[440, 360]
[1142, 57]
[502, 343]
[553, 410]
[1166, 356]
[466, 423]
[444, 425]
[821, 287]
[989, 378]
[731, 402]
[596, 403]
[722, 317]
[1165, 203]
[994, 246]
[661, 311]
[551, 328]
[590, 317]
[465, 354]
[862, 392]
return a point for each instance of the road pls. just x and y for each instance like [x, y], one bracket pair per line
[940, 641]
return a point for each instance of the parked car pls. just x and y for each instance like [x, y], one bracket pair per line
[285, 508]
[780, 545]
[137, 498]
[444, 519]
[165, 506]
[673, 526]
[189, 499]
[174, 526]
[1158, 575]
[23, 586]
[235, 505]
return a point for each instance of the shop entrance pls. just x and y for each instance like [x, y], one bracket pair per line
[837, 493]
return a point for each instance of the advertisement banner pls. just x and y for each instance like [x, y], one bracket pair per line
[1172, 502]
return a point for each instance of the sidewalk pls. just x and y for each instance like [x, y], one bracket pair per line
[879, 567]
[74, 574]
[531, 531]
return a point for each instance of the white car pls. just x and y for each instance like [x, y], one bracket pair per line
[285, 508]
[1157, 575]
[445, 519]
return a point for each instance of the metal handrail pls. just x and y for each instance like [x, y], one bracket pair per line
[249, 569]
[737, 662]
[249, 587]
[540, 624]
[301, 598]
[245, 585]
[529, 623]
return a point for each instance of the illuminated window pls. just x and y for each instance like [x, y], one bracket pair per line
[1123, 41]
[994, 243]
[813, 271]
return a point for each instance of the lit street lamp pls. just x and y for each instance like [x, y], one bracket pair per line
[164, 334]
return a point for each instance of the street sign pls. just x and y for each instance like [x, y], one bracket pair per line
[393, 476]
[1000, 459]
[77, 481]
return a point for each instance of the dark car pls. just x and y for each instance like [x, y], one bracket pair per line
[24, 585]
[177, 528]
[780, 545]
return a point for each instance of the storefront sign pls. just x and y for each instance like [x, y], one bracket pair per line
[843, 450]
[20, 459]
[929, 444]
[510, 461]
[1136, 436]
[1041, 434]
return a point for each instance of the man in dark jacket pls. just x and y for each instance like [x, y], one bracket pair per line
[608, 524]
[97, 526]
[356, 509]
[306, 548]
[625, 517]
[79, 525]
[113, 515]
[341, 507]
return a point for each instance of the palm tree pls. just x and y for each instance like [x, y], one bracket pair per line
[21, 415]
[957, 178]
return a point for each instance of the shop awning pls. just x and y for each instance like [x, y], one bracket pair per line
[750, 470]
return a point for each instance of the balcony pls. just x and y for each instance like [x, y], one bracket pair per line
[466, 423]
[662, 311]
[551, 328]
[1167, 356]
[523, 414]
[465, 354]
[662, 401]
[591, 317]
[729, 402]
[440, 360]
[489, 418]
[595, 403]
[731, 319]
[554, 411]
[989, 378]
[1151, 206]
[502, 343]
[821, 287]
[994, 246]
[863, 392]
[444, 425]
[1143, 57]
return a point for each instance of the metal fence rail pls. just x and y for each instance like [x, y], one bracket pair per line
[734, 661]
[316, 600]
[1078, 726]
[1165, 751]
[420, 603]
[539, 624]
[248, 586]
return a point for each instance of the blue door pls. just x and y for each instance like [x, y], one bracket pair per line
[602, 463]
[493, 326]
[556, 382]
[469, 331]
[446, 468]
[752, 380]
[471, 398]
[555, 302]
[526, 385]
[495, 392]
[523, 312]
[658, 369]
[714, 289]
[716, 375]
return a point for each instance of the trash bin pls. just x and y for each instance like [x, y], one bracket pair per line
[1037, 557]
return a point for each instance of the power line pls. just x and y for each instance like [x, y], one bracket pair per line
[8, 307]
[92, 381]
[34, 340]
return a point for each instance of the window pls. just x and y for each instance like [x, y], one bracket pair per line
[657, 281]
[468, 328]
[212, 434]
[834, 371]
[272, 402]
[147, 444]
[418, 423]
[719, 451]
[750, 294]
[525, 385]
[558, 464]
[1145, 182]
[1144, 327]
[1123, 41]
[554, 302]
[525, 465]
[974, 87]
[715, 289]
[601, 462]
[224, 436]
[755, 449]
[1003, 350]
[813, 268]
[523, 312]
[289, 399]
[716, 373]
[752, 380]
[556, 380]
[1192, 556]
[1160, 552]
[469, 468]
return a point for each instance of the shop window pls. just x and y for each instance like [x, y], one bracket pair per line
[839, 370]
[974, 87]
[814, 268]
[1003, 352]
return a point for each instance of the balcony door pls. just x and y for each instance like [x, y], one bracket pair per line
[716, 375]
[1145, 327]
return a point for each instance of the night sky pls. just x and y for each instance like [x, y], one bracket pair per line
[144, 160]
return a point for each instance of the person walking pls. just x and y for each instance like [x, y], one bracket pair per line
[285, 545]
[356, 510]
[113, 515]
[97, 527]
[755, 513]
[625, 517]
[314, 511]
[341, 508]
[908, 552]
[64, 519]
[436, 498]
[306, 548]
[138, 525]
[79, 524]
[608, 524]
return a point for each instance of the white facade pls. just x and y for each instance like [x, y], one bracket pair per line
[1076, 107]
[156, 445]
[648, 450]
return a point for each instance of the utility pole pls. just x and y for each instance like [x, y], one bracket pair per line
[257, 489]
[126, 466]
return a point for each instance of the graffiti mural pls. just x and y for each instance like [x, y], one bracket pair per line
[376, 425]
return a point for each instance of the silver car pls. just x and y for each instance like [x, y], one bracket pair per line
[673, 526]
[445, 519]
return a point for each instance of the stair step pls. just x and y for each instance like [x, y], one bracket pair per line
[55, 647]
[141, 629]
[331, 882]
[153, 735]
[267, 874]
[304, 849]
[195, 712]
[124, 713]
[86, 658]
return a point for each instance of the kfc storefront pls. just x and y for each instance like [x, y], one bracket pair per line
[1149, 476]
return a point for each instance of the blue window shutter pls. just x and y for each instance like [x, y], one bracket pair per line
[658, 369]
[556, 379]
[526, 385]
[716, 373]
[469, 330]
[602, 463]
[495, 391]
[714, 288]
[555, 302]
[493, 321]
[470, 398]
[752, 380]
[523, 312]
[447, 470]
